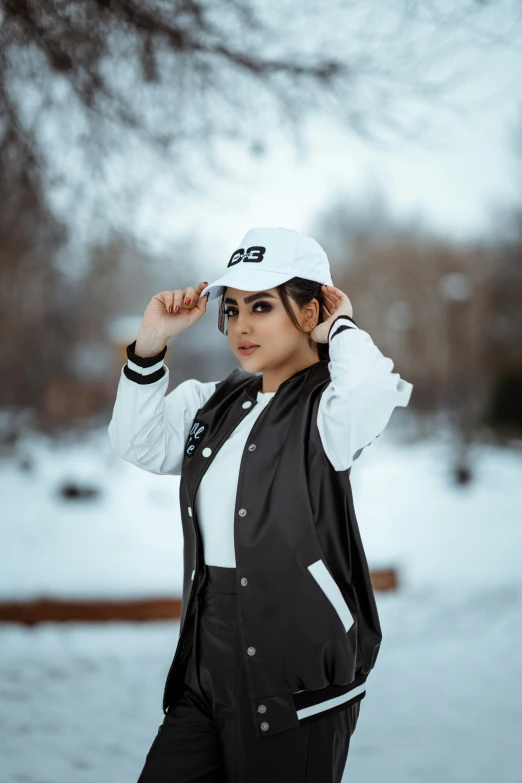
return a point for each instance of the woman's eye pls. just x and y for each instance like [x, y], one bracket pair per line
[232, 311]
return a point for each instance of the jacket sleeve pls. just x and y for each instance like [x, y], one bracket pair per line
[358, 402]
[149, 428]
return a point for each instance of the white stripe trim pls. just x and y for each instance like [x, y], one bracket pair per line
[325, 705]
[144, 370]
[194, 571]
[330, 588]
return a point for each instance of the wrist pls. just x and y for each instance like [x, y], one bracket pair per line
[149, 342]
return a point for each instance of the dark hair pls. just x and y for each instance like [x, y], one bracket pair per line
[302, 292]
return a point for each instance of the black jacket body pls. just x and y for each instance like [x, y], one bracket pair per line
[307, 616]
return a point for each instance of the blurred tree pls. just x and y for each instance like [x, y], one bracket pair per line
[29, 239]
[503, 347]
[422, 297]
[76, 75]
[80, 78]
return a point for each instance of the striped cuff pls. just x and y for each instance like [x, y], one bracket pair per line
[142, 369]
[341, 323]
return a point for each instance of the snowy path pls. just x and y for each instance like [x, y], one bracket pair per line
[81, 704]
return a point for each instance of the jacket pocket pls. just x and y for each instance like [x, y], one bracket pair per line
[329, 587]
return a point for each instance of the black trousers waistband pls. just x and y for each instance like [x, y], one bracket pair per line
[219, 579]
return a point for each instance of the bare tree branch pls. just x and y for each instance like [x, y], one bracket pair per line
[194, 71]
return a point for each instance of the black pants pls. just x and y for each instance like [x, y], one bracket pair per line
[208, 736]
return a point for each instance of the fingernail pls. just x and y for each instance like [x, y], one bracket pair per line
[177, 309]
[187, 301]
[170, 309]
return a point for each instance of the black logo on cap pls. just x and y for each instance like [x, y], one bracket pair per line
[253, 255]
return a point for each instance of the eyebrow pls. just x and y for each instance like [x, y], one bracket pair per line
[251, 298]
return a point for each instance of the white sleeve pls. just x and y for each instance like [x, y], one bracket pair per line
[363, 391]
[149, 428]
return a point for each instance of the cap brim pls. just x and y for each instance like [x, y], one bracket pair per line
[245, 280]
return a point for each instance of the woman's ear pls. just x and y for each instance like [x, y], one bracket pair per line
[313, 310]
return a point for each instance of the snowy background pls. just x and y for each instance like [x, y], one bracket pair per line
[81, 703]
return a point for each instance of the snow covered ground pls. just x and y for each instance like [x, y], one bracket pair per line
[82, 703]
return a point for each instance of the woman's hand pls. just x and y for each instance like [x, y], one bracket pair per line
[161, 319]
[335, 303]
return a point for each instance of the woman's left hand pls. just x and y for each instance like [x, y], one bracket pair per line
[335, 303]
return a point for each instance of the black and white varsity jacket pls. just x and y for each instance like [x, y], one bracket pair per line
[307, 616]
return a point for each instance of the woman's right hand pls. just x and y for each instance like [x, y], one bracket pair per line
[161, 321]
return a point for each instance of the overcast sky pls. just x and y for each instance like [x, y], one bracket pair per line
[454, 177]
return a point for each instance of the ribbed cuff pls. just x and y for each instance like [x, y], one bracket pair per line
[144, 369]
[337, 326]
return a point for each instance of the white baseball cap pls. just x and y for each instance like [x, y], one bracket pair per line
[267, 257]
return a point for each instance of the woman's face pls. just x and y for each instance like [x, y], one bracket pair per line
[259, 317]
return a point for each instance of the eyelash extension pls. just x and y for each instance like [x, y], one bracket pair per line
[226, 311]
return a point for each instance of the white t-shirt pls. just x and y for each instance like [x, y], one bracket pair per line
[216, 496]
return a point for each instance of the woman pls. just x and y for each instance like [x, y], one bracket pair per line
[279, 627]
